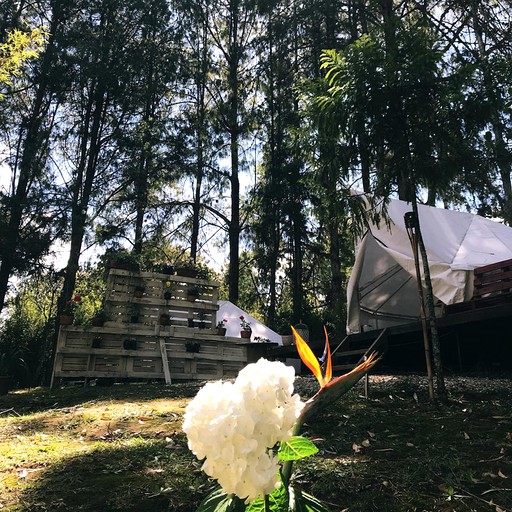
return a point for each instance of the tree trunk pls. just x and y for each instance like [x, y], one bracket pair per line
[29, 167]
[398, 138]
[297, 268]
[337, 299]
[141, 201]
[234, 130]
[200, 141]
[272, 303]
[234, 224]
[82, 194]
[404, 172]
[430, 311]
[142, 176]
[274, 251]
[86, 171]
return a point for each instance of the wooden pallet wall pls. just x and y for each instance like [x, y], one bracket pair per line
[126, 349]
[122, 304]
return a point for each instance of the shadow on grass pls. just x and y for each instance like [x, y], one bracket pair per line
[396, 453]
[147, 475]
[41, 399]
[392, 453]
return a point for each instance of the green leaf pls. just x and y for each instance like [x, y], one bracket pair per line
[296, 448]
[219, 501]
[303, 502]
[277, 500]
[256, 506]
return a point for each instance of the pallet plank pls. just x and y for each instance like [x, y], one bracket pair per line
[146, 348]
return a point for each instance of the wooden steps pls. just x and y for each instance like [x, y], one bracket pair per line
[347, 355]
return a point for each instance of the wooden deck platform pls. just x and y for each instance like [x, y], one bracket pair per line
[472, 341]
[475, 335]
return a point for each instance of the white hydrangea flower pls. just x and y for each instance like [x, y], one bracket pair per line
[234, 426]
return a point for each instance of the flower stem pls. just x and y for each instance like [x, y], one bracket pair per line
[286, 473]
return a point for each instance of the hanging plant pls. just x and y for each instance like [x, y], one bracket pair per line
[139, 291]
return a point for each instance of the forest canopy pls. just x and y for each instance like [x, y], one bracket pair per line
[166, 128]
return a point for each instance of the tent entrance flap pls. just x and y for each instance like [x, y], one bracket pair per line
[366, 294]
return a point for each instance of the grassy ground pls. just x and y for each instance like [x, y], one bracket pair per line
[121, 448]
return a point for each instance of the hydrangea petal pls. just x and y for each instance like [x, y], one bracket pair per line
[234, 427]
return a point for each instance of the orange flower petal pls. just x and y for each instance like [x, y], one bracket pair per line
[308, 358]
[328, 368]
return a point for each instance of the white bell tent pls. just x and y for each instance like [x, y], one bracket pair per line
[228, 311]
[382, 289]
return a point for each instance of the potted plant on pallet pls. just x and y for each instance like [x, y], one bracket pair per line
[192, 294]
[164, 319]
[68, 311]
[134, 313]
[139, 291]
[287, 340]
[221, 327]
[167, 269]
[167, 290]
[246, 328]
[96, 342]
[123, 259]
[130, 344]
[188, 268]
[99, 318]
[192, 346]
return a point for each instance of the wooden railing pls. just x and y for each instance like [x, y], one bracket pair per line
[492, 286]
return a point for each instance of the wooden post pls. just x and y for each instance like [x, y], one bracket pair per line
[366, 382]
[410, 226]
[165, 361]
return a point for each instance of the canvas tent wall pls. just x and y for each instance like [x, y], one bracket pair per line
[382, 289]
